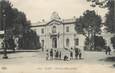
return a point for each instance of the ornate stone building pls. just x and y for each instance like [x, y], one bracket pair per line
[58, 33]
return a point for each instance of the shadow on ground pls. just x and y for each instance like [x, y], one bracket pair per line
[111, 59]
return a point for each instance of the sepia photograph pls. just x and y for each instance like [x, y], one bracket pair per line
[57, 36]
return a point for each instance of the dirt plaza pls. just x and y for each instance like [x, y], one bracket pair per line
[34, 62]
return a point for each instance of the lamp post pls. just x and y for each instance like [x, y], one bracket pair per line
[5, 35]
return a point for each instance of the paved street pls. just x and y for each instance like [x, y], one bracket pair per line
[34, 62]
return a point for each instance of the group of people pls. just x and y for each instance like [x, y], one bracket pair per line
[53, 54]
[66, 54]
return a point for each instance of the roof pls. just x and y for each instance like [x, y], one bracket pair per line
[68, 21]
[54, 17]
[64, 22]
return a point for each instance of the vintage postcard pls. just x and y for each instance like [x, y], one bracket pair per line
[57, 36]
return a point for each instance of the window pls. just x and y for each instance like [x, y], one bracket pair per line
[42, 43]
[42, 31]
[67, 29]
[54, 29]
[77, 41]
[67, 42]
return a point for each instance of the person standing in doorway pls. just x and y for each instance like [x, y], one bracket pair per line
[76, 53]
[51, 54]
[71, 53]
[47, 55]
[80, 54]
[57, 54]
[60, 55]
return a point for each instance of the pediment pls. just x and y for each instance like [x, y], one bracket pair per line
[54, 22]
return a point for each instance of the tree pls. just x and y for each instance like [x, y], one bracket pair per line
[110, 16]
[30, 40]
[89, 18]
[7, 13]
[99, 44]
[89, 25]
[100, 3]
[20, 23]
[113, 41]
[110, 20]
[16, 24]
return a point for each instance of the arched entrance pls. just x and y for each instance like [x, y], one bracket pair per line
[54, 42]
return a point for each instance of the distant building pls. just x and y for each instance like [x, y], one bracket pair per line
[58, 33]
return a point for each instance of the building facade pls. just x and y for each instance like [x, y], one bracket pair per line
[58, 33]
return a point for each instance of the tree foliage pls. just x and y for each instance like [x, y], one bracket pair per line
[6, 8]
[110, 17]
[99, 43]
[113, 41]
[100, 3]
[16, 24]
[89, 18]
[29, 40]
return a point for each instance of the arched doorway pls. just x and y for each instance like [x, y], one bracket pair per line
[54, 42]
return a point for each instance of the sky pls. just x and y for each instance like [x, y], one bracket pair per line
[36, 10]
